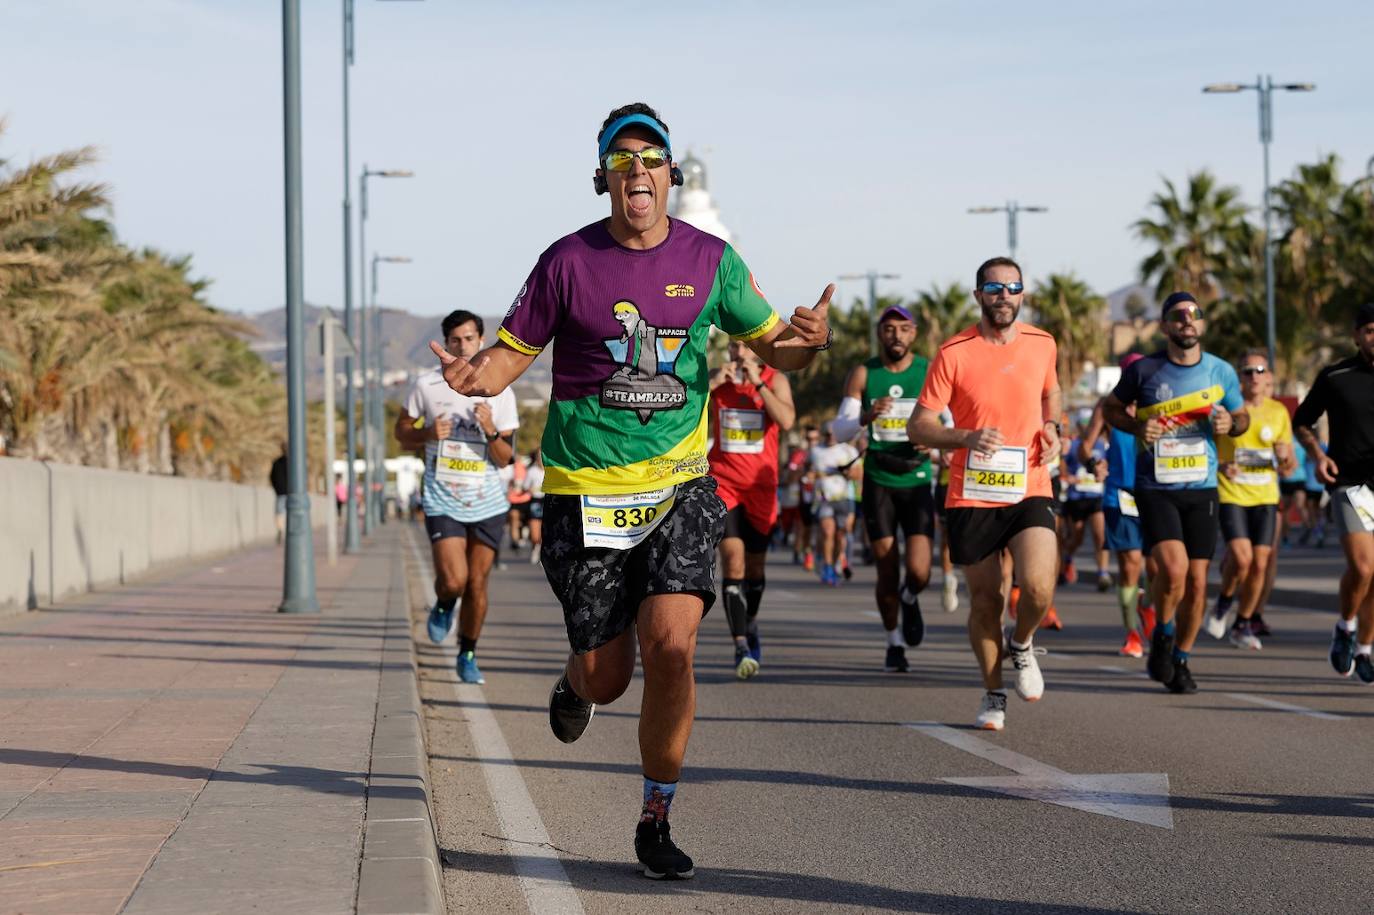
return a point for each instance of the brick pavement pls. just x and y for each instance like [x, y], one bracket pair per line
[179, 746]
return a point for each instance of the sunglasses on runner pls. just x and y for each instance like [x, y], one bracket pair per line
[1184, 312]
[994, 288]
[622, 160]
[1253, 370]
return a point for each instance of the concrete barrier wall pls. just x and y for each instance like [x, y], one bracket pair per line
[67, 529]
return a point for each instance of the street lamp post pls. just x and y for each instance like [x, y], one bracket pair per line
[379, 432]
[351, 543]
[1011, 208]
[298, 584]
[1265, 86]
[370, 344]
[872, 276]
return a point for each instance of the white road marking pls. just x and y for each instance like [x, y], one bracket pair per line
[1140, 797]
[537, 866]
[1112, 668]
[1287, 707]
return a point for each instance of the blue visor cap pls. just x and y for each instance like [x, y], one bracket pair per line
[620, 124]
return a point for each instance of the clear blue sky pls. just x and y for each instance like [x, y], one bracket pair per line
[843, 136]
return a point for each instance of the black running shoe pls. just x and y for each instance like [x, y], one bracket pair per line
[1364, 668]
[1161, 662]
[1343, 651]
[1259, 627]
[1182, 681]
[569, 715]
[662, 859]
[896, 660]
[913, 625]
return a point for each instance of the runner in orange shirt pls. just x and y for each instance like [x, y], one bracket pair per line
[998, 379]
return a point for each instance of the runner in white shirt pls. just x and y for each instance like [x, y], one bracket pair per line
[833, 465]
[465, 440]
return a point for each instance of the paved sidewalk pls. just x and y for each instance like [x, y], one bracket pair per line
[178, 746]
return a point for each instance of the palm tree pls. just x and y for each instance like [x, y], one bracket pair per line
[1193, 237]
[1075, 316]
[940, 314]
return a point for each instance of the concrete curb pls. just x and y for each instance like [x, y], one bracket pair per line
[400, 870]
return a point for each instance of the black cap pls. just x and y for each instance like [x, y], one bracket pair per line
[1364, 314]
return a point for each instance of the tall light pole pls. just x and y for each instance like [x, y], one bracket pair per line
[351, 542]
[379, 416]
[371, 517]
[872, 276]
[1265, 86]
[298, 585]
[1011, 208]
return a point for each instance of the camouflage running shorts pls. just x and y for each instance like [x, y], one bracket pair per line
[601, 589]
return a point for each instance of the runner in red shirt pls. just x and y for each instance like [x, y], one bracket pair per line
[750, 403]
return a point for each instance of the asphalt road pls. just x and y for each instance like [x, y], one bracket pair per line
[808, 788]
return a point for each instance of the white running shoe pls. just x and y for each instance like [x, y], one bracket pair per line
[535, 552]
[1030, 685]
[1244, 638]
[949, 598]
[1218, 623]
[992, 714]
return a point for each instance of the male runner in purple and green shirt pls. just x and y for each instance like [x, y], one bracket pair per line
[631, 518]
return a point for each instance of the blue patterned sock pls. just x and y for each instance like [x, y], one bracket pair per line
[1167, 628]
[658, 800]
[1180, 655]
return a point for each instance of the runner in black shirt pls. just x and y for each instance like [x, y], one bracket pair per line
[1345, 392]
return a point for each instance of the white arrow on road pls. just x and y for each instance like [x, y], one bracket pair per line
[1141, 797]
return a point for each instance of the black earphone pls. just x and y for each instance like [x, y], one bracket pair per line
[599, 181]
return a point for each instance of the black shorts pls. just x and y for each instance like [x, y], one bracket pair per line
[488, 530]
[1249, 522]
[601, 589]
[807, 512]
[737, 525]
[941, 493]
[1081, 509]
[1186, 515]
[887, 509]
[1292, 487]
[977, 533]
[524, 510]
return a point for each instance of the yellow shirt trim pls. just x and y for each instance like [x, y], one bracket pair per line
[515, 343]
[1207, 397]
[684, 461]
[759, 331]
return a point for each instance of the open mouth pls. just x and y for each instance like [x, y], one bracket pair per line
[640, 199]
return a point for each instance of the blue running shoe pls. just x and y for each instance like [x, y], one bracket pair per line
[467, 668]
[440, 622]
[1343, 651]
[755, 649]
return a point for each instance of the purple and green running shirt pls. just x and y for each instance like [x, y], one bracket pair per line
[628, 408]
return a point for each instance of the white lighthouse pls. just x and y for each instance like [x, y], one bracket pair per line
[692, 204]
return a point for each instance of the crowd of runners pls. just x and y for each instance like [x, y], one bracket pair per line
[651, 462]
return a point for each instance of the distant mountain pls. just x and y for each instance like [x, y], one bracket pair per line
[1116, 302]
[405, 349]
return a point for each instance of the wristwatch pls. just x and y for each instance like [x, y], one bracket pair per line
[829, 340]
[492, 436]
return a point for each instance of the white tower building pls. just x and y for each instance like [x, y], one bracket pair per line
[692, 203]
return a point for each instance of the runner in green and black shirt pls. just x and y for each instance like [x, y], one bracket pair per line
[881, 394]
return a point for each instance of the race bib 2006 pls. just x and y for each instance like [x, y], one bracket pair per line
[1256, 466]
[622, 522]
[462, 463]
[1181, 460]
[1126, 500]
[999, 477]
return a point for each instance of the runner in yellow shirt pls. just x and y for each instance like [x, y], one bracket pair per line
[1248, 488]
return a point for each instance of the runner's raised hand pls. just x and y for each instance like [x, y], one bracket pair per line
[810, 327]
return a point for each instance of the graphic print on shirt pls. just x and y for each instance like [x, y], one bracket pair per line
[644, 381]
